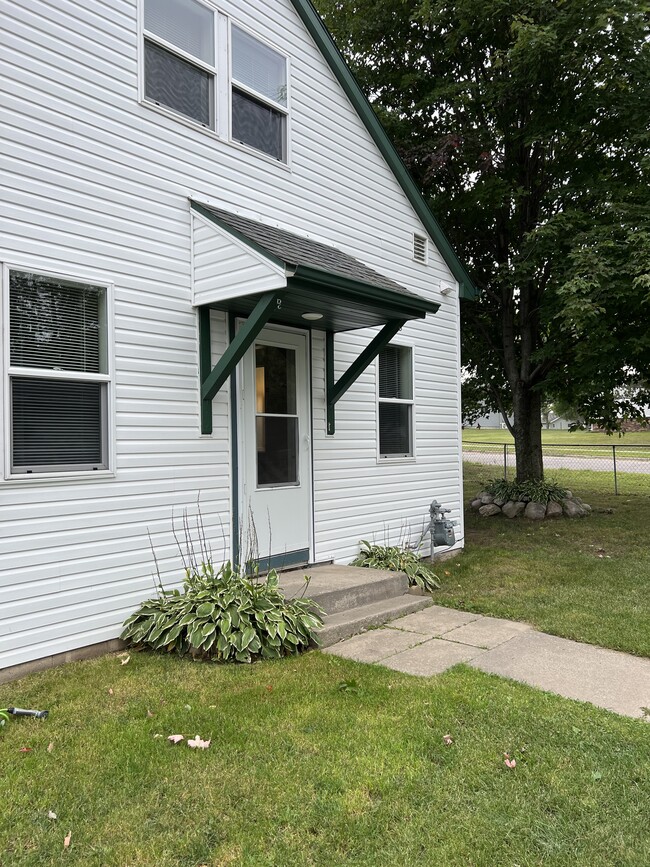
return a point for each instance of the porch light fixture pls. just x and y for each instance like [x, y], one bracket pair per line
[312, 317]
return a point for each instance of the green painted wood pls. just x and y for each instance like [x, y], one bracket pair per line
[205, 365]
[335, 391]
[329, 381]
[269, 303]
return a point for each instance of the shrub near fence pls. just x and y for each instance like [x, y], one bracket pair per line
[628, 466]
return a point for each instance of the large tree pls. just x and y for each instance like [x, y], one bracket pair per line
[526, 126]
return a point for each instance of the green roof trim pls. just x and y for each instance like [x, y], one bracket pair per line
[328, 48]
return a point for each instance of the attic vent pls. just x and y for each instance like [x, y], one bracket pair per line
[419, 248]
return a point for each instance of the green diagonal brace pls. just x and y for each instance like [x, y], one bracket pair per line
[335, 391]
[268, 304]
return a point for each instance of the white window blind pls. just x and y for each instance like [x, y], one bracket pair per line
[259, 67]
[184, 23]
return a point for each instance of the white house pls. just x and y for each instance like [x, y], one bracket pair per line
[217, 280]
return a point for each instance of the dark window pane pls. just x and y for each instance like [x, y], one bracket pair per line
[395, 372]
[56, 423]
[257, 125]
[177, 84]
[277, 450]
[56, 324]
[275, 380]
[395, 428]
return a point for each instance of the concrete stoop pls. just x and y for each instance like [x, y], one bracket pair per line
[354, 598]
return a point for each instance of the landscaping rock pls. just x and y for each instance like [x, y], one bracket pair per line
[512, 509]
[554, 510]
[476, 504]
[535, 511]
[500, 501]
[486, 498]
[572, 509]
[488, 510]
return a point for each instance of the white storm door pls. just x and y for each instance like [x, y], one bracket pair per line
[276, 503]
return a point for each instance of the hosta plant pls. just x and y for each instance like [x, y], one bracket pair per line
[225, 615]
[538, 491]
[398, 559]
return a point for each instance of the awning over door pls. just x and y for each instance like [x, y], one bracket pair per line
[270, 275]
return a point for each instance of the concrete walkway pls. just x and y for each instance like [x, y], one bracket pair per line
[432, 640]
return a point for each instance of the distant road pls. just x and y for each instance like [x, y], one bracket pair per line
[562, 462]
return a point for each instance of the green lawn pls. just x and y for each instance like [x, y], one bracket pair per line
[584, 579]
[301, 772]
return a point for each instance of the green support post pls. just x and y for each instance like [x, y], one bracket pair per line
[335, 391]
[268, 304]
[205, 366]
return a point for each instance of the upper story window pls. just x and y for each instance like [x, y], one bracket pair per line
[186, 70]
[259, 95]
[58, 374]
[179, 58]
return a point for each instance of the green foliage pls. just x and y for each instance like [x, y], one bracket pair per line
[398, 560]
[525, 123]
[4, 719]
[224, 615]
[532, 490]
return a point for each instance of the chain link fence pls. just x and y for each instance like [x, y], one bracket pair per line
[622, 469]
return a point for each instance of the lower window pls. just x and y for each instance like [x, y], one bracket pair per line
[58, 374]
[395, 402]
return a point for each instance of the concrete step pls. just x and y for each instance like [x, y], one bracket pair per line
[345, 624]
[341, 588]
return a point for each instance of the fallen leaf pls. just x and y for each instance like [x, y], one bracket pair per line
[448, 740]
[176, 739]
[269, 688]
[51, 815]
[66, 842]
[447, 573]
[125, 660]
[110, 692]
[212, 706]
[149, 714]
[510, 763]
[188, 707]
[157, 736]
[50, 746]
[25, 750]
[198, 744]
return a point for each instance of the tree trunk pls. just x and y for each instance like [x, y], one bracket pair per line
[527, 405]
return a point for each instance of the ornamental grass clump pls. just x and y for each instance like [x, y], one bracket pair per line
[398, 560]
[224, 615]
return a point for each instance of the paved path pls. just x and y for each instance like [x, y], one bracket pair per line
[565, 462]
[432, 640]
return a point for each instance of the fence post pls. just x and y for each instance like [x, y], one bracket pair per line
[615, 476]
[505, 461]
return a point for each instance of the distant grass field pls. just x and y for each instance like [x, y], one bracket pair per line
[635, 446]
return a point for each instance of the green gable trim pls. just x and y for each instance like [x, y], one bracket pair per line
[331, 53]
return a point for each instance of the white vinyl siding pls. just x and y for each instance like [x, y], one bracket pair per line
[95, 183]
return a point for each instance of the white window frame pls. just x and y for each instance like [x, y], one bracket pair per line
[276, 106]
[397, 458]
[107, 379]
[221, 108]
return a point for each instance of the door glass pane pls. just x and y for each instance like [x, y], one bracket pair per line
[275, 380]
[277, 450]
